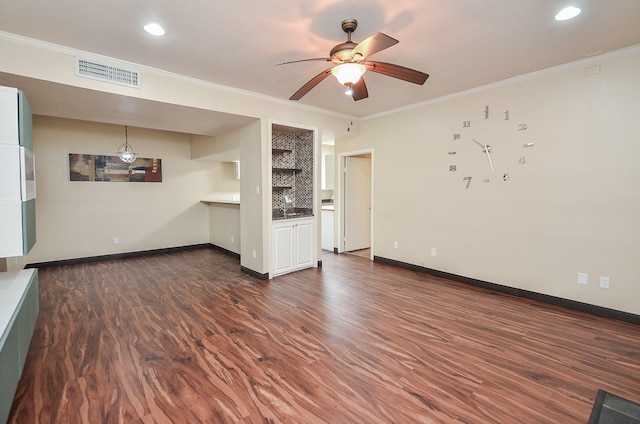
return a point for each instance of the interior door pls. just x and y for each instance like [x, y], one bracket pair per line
[357, 219]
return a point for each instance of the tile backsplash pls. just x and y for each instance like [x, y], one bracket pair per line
[301, 157]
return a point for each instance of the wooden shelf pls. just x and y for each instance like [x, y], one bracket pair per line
[296, 170]
[281, 187]
[275, 150]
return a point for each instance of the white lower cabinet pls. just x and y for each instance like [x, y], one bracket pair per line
[293, 245]
[19, 306]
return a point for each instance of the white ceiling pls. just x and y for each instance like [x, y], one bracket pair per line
[462, 44]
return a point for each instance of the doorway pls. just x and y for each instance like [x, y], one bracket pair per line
[356, 184]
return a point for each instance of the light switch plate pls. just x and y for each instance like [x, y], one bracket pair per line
[583, 278]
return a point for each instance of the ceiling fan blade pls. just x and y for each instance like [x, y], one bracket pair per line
[315, 59]
[397, 71]
[372, 45]
[359, 90]
[310, 84]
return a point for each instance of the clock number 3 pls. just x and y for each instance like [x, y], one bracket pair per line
[468, 180]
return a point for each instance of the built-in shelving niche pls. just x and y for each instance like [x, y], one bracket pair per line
[292, 166]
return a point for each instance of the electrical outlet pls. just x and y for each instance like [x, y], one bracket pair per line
[395, 244]
[583, 278]
[233, 239]
[116, 240]
[604, 282]
[434, 251]
[253, 253]
[258, 190]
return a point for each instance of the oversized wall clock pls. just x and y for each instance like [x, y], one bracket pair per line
[486, 149]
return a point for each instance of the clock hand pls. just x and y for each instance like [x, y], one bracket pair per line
[487, 149]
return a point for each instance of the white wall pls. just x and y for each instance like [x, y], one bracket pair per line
[572, 207]
[79, 219]
[43, 61]
[224, 226]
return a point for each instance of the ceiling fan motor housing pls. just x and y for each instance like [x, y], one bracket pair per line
[343, 52]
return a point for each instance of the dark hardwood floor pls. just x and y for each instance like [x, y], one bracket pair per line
[187, 338]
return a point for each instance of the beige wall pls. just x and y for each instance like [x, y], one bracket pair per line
[79, 219]
[224, 226]
[572, 207]
[33, 59]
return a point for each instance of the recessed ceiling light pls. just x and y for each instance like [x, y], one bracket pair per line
[154, 29]
[569, 12]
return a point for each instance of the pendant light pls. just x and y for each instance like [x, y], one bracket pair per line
[125, 151]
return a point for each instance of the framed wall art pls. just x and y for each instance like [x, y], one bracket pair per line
[105, 168]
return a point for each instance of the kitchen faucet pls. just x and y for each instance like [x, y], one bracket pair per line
[286, 201]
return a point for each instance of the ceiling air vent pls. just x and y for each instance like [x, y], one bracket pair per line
[107, 72]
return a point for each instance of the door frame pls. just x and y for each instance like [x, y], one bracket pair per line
[341, 210]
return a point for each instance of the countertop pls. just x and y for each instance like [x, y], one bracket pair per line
[13, 289]
[292, 213]
[223, 201]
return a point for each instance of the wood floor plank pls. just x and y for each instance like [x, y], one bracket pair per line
[186, 337]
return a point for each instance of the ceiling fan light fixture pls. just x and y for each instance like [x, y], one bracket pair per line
[348, 73]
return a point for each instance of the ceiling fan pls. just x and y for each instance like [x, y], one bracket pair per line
[350, 63]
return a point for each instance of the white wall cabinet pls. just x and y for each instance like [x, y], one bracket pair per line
[293, 245]
[17, 175]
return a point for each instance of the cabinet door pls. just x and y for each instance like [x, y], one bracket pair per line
[282, 249]
[303, 234]
[10, 173]
[9, 373]
[11, 229]
[9, 133]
